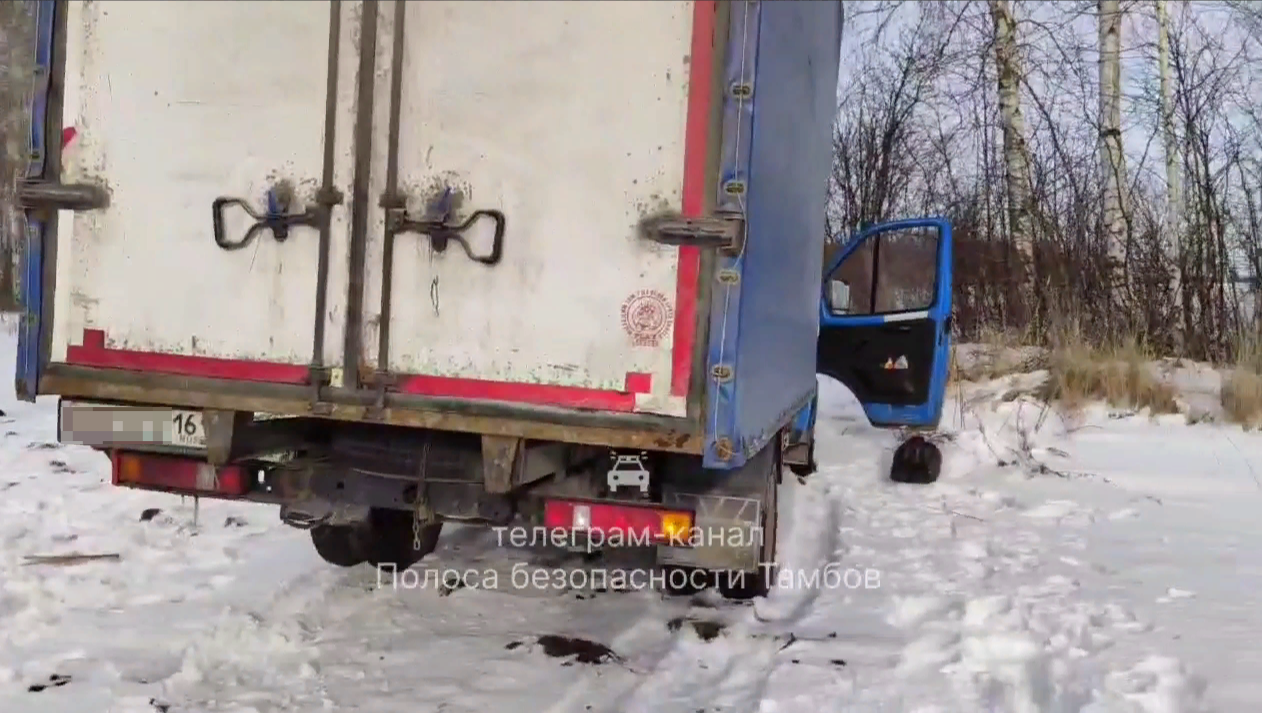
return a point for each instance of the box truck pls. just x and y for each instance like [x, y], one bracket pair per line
[395, 264]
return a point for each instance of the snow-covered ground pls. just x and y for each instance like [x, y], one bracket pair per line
[1109, 564]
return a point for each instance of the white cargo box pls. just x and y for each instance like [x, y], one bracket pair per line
[568, 117]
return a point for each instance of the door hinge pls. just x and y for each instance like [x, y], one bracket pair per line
[382, 383]
[49, 195]
[318, 378]
[725, 232]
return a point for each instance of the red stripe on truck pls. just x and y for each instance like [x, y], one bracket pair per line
[95, 353]
[696, 154]
[562, 396]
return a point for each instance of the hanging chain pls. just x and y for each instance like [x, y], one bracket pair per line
[420, 512]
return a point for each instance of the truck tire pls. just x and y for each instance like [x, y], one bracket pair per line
[341, 545]
[749, 585]
[390, 544]
[917, 461]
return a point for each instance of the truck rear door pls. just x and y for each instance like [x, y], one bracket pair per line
[574, 121]
[176, 110]
[271, 218]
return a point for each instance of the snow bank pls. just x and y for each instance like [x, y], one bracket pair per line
[1105, 563]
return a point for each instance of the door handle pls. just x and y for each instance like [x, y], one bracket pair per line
[441, 231]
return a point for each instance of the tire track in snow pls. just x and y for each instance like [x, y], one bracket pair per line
[475, 650]
[406, 649]
[731, 671]
[267, 649]
[983, 608]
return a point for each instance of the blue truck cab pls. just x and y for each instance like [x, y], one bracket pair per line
[884, 330]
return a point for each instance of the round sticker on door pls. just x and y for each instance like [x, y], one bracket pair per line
[646, 317]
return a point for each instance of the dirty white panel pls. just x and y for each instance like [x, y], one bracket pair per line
[570, 118]
[176, 104]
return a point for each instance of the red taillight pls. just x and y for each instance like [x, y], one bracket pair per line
[644, 524]
[182, 475]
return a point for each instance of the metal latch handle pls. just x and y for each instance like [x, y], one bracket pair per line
[277, 220]
[441, 232]
[50, 195]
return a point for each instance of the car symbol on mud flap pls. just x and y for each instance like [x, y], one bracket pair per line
[628, 470]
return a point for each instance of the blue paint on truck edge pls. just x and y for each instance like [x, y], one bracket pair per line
[31, 258]
[763, 325]
[735, 136]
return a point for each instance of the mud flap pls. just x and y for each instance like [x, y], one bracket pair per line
[727, 532]
[799, 439]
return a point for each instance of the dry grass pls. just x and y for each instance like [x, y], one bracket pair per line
[1241, 393]
[1123, 374]
[1242, 397]
[1120, 375]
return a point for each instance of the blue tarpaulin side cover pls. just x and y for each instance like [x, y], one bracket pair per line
[776, 153]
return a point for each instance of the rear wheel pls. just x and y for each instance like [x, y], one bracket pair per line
[385, 540]
[393, 543]
[341, 545]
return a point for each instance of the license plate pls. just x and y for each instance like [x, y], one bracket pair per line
[186, 429]
[105, 425]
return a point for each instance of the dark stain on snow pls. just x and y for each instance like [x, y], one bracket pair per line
[576, 649]
[54, 681]
[706, 630]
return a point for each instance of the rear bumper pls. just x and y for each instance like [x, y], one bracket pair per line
[615, 430]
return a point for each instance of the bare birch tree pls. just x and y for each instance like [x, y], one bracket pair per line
[1112, 155]
[1015, 155]
[1174, 197]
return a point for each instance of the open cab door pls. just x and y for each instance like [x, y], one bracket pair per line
[885, 321]
[884, 332]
